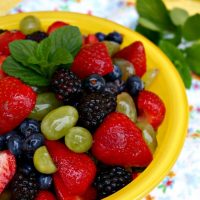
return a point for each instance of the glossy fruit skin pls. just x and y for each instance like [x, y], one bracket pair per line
[119, 142]
[112, 88]
[94, 83]
[26, 168]
[8, 168]
[134, 85]
[92, 59]
[10, 134]
[44, 181]
[90, 39]
[134, 53]
[6, 38]
[151, 107]
[56, 25]
[15, 145]
[2, 142]
[29, 127]
[112, 47]
[45, 195]
[101, 36]
[115, 37]
[2, 74]
[37, 36]
[77, 164]
[115, 74]
[19, 98]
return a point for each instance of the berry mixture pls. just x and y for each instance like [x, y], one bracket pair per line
[76, 118]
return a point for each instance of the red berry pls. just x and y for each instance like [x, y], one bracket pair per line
[17, 100]
[7, 168]
[2, 74]
[90, 39]
[76, 171]
[118, 141]
[92, 59]
[151, 107]
[45, 195]
[134, 53]
[55, 26]
[6, 38]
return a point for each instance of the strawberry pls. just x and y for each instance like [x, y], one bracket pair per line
[118, 141]
[2, 74]
[134, 53]
[90, 39]
[92, 59]
[55, 26]
[16, 102]
[7, 168]
[45, 195]
[76, 171]
[151, 107]
[6, 38]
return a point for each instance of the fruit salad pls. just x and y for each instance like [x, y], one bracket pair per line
[77, 120]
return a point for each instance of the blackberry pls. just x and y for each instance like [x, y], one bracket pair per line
[66, 85]
[37, 36]
[110, 180]
[93, 107]
[24, 187]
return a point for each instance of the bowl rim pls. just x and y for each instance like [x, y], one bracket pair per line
[139, 190]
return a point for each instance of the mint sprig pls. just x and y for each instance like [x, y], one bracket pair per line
[178, 29]
[34, 63]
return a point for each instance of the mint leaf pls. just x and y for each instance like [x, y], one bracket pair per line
[28, 76]
[193, 58]
[22, 50]
[67, 37]
[191, 28]
[176, 56]
[154, 15]
[178, 16]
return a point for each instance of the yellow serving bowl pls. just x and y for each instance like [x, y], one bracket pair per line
[168, 85]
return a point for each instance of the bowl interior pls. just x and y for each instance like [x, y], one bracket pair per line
[168, 85]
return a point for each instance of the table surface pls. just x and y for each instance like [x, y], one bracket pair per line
[183, 181]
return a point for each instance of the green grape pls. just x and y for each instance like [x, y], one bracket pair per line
[45, 103]
[56, 123]
[43, 161]
[78, 139]
[126, 67]
[149, 135]
[126, 105]
[30, 24]
[149, 77]
[5, 195]
[113, 47]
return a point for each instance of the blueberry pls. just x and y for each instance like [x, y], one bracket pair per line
[32, 143]
[100, 36]
[115, 37]
[111, 87]
[10, 134]
[121, 85]
[44, 181]
[134, 84]
[15, 145]
[2, 142]
[27, 168]
[28, 127]
[94, 83]
[116, 74]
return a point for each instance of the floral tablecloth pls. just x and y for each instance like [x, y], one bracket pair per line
[183, 181]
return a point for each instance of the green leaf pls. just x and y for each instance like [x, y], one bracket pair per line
[178, 16]
[191, 28]
[22, 50]
[28, 76]
[177, 57]
[67, 37]
[154, 15]
[193, 57]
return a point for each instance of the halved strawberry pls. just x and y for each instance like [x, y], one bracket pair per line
[55, 26]
[6, 38]
[16, 102]
[151, 107]
[45, 195]
[118, 141]
[76, 171]
[92, 59]
[7, 168]
[134, 53]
